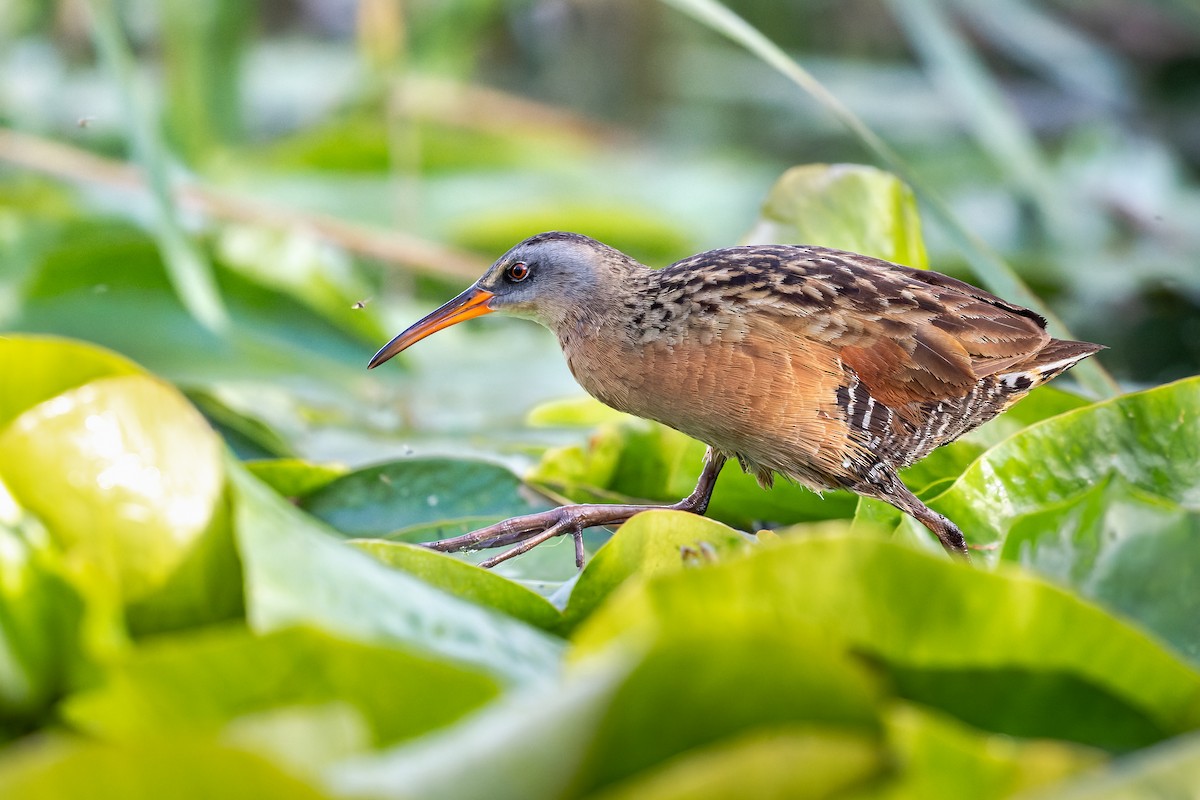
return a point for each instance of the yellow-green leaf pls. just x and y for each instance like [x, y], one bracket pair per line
[999, 649]
[128, 478]
[848, 206]
[464, 580]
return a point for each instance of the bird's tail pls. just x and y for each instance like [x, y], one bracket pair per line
[1052, 360]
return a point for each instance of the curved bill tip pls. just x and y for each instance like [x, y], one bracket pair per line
[471, 303]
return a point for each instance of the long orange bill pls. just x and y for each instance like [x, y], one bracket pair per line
[471, 303]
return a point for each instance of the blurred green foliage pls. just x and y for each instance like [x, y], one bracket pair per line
[208, 582]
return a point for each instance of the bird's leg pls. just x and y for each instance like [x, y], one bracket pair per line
[886, 485]
[529, 531]
[697, 501]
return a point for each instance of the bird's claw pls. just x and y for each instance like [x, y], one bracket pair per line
[527, 532]
[577, 535]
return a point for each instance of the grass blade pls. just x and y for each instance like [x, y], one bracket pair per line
[991, 270]
[190, 273]
[1035, 37]
[959, 75]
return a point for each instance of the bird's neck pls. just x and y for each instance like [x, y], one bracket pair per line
[607, 315]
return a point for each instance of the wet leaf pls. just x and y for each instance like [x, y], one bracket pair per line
[984, 641]
[294, 477]
[420, 499]
[152, 767]
[798, 762]
[128, 479]
[1105, 499]
[693, 687]
[938, 757]
[1171, 769]
[464, 580]
[650, 543]
[49, 366]
[848, 206]
[199, 682]
[300, 572]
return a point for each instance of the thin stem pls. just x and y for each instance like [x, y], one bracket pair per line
[958, 72]
[189, 271]
[74, 164]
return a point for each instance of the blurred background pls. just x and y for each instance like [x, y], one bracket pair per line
[251, 197]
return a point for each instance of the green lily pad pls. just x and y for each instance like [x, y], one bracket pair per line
[1105, 499]
[128, 479]
[464, 580]
[185, 768]
[694, 687]
[650, 543]
[1006, 632]
[621, 715]
[848, 206]
[526, 746]
[294, 477]
[300, 572]
[938, 757]
[41, 615]
[420, 499]
[41, 367]
[199, 682]
[796, 762]
[1171, 769]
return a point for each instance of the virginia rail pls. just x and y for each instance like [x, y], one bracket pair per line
[830, 368]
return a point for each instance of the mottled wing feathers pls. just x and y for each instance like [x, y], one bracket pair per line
[910, 335]
[931, 364]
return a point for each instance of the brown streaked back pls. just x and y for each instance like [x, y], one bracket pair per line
[910, 335]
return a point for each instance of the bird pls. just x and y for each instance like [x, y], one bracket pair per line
[832, 369]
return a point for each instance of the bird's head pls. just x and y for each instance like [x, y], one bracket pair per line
[550, 278]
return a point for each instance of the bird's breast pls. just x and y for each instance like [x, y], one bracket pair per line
[749, 387]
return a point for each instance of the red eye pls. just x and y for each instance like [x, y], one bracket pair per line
[517, 271]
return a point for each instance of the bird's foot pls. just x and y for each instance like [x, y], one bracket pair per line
[527, 532]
